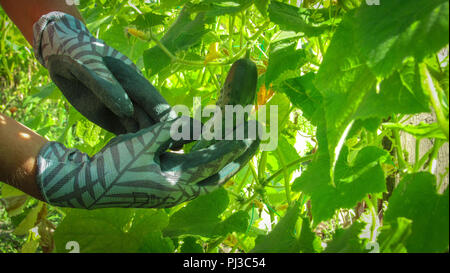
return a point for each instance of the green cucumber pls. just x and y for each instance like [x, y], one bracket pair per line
[240, 84]
[239, 89]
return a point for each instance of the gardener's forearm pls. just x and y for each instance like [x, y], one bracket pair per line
[19, 147]
[24, 13]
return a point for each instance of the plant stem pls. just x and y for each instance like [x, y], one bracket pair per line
[214, 78]
[230, 32]
[417, 155]
[227, 61]
[402, 164]
[262, 166]
[241, 185]
[373, 213]
[430, 89]
[263, 184]
[434, 153]
[298, 161]
[253, 170]
[241, 37]
[249, 200]
[286, 177]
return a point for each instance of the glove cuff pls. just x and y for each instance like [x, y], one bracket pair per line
[38, 30]
[54, 163]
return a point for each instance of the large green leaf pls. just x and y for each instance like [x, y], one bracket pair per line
[281, 101]
[401, 93]
[416, 198]
[148, 19]
[146, 229]
[172, 3]
[347, 240]
[182, 34]
[303, 94]
[307, 238]
[394, 30]
[113, 230]
[190, 245]
[292, 18]
[283, 237]
[284, 57]
[394, 234]
[202, 217]
[354, 180]
[262, 6]
[155, 242]
[213, 8]
[344, 80]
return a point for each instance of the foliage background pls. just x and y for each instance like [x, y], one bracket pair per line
[346, 76]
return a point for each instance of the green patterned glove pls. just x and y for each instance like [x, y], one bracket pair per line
[135, 170]
[100, 82]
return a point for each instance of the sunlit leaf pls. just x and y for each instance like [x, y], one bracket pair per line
[386, 42]
[202, 217]
[416, 198]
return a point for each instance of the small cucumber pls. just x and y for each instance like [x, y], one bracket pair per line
[239, 89]
[240, 84]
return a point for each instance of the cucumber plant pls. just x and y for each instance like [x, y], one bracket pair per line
[347, 80]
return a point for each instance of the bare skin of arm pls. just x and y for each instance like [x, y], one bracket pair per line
[19, 145]
[18, 151]
[24, 13]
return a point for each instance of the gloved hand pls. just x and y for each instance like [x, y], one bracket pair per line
[100, 82]
[135, 170]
